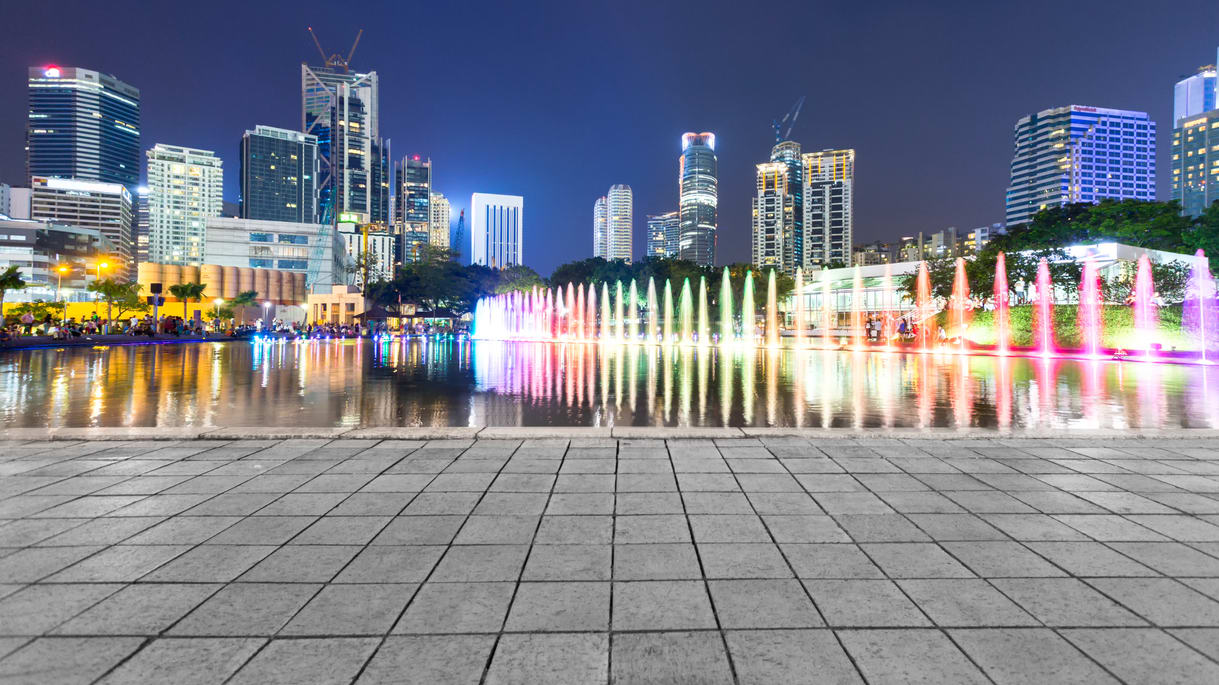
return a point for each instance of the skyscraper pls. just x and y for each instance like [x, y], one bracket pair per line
[441, 217]
[141, 224]
[698, 198]
[185, 187]
[340, 107]
[104, 207]
[600, 228]
[829, 207]
[413, 213]
[620, 222]
[662, 235]
[279, 170]
[778, 211]
[1195, 162]
[497, 230]
[1196, 94]
[84, 125]
[1080, 154]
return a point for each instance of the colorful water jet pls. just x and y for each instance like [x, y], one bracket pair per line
[1144, 307]
[1089, 317]
[1003, 317]
[1043, 310]
[1201, 315]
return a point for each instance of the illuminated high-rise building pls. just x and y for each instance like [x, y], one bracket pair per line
[600, 228]
[698, 198]
[662, 235]
[84, 125]
[442, 216]
[829, 207]
[1080, 154]
[620, 222]
[279, 170]
[1195, 162]
[1196, 94]
[340, 107]
[185, 188]
[103, 207]
[413, 214]
[497, 230]
[778, 211]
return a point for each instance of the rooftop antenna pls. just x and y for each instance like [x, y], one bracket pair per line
[336, 61]
[782, 134]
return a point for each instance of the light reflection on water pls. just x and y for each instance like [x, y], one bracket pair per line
[354, 383]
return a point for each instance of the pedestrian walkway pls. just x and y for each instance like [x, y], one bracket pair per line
[596, 560]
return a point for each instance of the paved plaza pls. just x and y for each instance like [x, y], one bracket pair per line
[597, 559]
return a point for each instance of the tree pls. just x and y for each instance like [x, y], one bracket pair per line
[519, 277]
[123, 296]
[244, 300]
[187, 292]
[10, 279]
[1170, 279]
[39, 309]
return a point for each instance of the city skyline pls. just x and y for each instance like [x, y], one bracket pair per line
[637, 134]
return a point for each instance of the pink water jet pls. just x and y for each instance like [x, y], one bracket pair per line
[1043, 310]
[857, 311]
[1089, 317]
[961, 307]
[1144, 307]
[925, 313]
[1201, 311]
[1003, 317]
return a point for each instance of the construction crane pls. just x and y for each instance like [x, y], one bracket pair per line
[789, 119]
[336, 61]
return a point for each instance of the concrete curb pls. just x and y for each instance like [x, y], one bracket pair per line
[468, 433]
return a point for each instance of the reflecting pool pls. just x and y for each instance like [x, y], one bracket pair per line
[420, 382]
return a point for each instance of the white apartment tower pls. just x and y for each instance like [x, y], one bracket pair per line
[185, 188]
[600, 227]
[497, 230]
[442, 215]
[619, 225]
[829, 208]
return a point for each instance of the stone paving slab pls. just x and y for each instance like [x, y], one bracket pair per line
[573, 556]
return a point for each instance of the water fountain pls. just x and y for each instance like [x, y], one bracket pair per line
[827, 311]
[653, 310]
[749, 312]
[857, 322]
[925, 312]
[1201, 311]
[960, 304]
[704, 320]
[1144, 307]
[1089, 312]
[1003, 320]
[799, 313]
[619, 313]
[632, 312]
[888, 316]
[668, 327]
[1043, 310]
[687, 313]
[772, 312]
[605, 312]
[726, 328]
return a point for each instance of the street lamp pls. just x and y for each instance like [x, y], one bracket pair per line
[97, 300]
[217, 302]
[63, 308]
[266, 308]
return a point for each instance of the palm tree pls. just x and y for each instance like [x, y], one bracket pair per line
[245, 298]
[187, 292]
[10, 279]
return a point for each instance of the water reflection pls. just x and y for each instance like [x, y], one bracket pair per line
[351, 383]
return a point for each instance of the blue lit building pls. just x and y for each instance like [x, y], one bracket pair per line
[1076, 154]
[1195, 94]
[84, 125]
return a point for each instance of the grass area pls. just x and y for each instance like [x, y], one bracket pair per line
[1118, 324]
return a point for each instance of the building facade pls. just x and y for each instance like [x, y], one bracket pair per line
[340, 107]
[1080, 154]
[778, 210]
[600, 227]
[413, 215]
[38, 249]
[380, 247]
[497, 230]
[1195, 162]
[1195, 94]
[662, 235]
[82, 124]
[442, 216]
[185, 189]
[620, 223]
[140, 231]
[104, 207]
[293, 247]
[279, 174]
[829, 207]
[698, 177]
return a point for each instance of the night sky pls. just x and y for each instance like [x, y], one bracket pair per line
[557, 101]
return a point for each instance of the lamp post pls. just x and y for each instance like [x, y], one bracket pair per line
[97, 301]
[266, 308]
[217, 302]
[63, 306]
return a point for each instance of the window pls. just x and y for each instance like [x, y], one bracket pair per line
[261, 263]
[294, 239]
[293, 263]
[260, 238]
